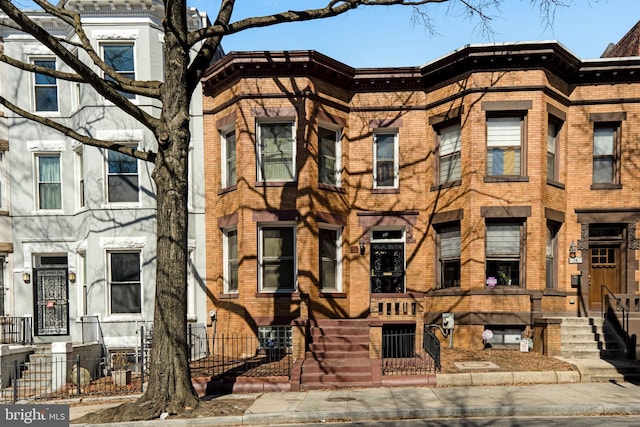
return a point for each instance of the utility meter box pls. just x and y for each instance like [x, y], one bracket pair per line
[447, 321]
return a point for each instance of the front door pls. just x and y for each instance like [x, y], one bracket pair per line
[387, 267]
[51, 301]
[604, 269]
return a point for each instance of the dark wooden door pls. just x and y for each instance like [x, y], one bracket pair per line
[604, 269]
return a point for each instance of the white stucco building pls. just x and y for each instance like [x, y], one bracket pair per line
[83, 219]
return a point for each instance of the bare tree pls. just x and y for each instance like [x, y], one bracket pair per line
[170, 388]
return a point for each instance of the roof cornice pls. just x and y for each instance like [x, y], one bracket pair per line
[547, 55]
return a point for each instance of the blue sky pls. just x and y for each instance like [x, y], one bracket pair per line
[386, 37]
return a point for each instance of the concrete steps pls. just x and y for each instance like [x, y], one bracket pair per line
[603, 353]
[338, 356]
[583, 337]
[35, 376]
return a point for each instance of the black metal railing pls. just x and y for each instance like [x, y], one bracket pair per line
[620, 306]
[401, 355]
[431, 345]
[43, 377]
[16, 330]
[92, 332]
[238, 355]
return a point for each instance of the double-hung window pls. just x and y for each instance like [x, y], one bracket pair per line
[230, 256]
[276, 151]
[504, 145]
[606, 147]
[45, 87]
[449, 145]
[385, 156]
[49, 181]
[448, 250]
[125, 286]
[551, 262]
[120, 57]
[552, 151]
[228, 158]
[503, 253]
[330, 254]
[276, 258]
[122, 178]
[329, 156]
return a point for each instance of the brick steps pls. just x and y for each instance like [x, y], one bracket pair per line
[338, 356]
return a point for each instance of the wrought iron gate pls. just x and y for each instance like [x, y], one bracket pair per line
[51, 299]
[387, 267]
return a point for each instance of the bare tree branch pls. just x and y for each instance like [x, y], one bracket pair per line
[67, 131]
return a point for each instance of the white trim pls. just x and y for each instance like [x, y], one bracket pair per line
[111, 243]
[280, 121]
[338, 149]
[396, 152]
[46, 145]
[225, 259]
[115, 34]
[338, 245]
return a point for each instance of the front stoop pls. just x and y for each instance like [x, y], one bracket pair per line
[338, 357]
[596, 345]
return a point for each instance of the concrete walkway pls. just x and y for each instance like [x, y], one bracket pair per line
[521, 394]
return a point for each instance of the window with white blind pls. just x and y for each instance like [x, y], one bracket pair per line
[552, 151]
[276, 151]
[448, 250]
[385, 155]
[230, 255]
[329, 156]
[503, 253]
[49, 181]
[449, 145]
[605, 149]
[504, 146]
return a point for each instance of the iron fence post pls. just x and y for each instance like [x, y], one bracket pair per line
[15, 381]
[141, 358]
[78, 374]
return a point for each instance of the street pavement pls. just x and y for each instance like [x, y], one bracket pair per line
[526, 396]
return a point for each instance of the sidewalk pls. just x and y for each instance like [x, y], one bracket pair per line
[461, 400]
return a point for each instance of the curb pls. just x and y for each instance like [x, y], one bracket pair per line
[507, 378]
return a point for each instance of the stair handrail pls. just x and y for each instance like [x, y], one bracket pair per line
[619, 307]
[431, 344]
[94, 335]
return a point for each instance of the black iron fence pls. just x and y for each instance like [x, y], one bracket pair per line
[46, 377]
[220, 357]
[401, 355]
[16, 330]
[230, 356]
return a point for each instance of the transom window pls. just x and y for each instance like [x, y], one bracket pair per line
[503, 254]
[120, 57]
[385, 154]
[277, 262]
[504, 145]
[125, 288]
[329, 156]
[122, 178]
[49, 181]
[45, 87]
[276, 151]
